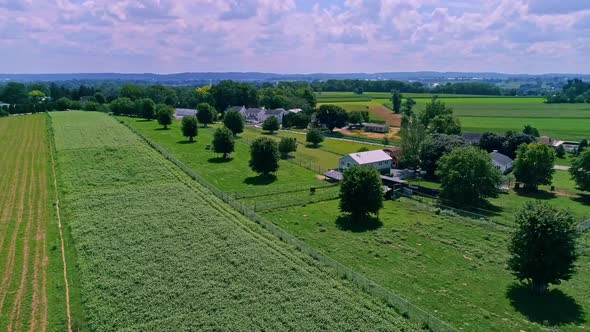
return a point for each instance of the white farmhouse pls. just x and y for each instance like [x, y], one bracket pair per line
[376, 158]
[502, 162]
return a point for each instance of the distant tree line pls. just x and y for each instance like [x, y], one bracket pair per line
[360, 86]
[575, 91]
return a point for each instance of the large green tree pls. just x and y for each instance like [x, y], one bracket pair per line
[147, 108]
[543, 247]
[332, 116]
[271, 124]
[132, 92]
[413, 135]
[164, 114]
[530, 130]
[360, 192]
[122, 106]
[436, 146]
[223, 141]
[206, 114]
[264, 156]
[445, 124]
[408, 106]
[467, 176]
[286, 146]
[396, 100]
[534, 165]
[580, 170]
[13, 93]
[234, 121]
[189, 127]
[314, 136]
[434, 108]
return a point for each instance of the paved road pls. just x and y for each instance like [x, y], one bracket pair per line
[561, 168]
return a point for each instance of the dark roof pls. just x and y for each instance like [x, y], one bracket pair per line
[500, 158]
[472, 137]
[182, 112]
[276, 111]
[334, 174]
[234, 108]
[253, 110]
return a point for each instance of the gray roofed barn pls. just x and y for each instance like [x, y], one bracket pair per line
[502, 162]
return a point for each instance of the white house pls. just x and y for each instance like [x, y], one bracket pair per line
[253, 115]
[278, 113]
[376, 158]
[502, 162]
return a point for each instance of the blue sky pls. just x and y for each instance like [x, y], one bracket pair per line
[289, 36]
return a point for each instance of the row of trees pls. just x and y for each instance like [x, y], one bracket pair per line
[575, 91]
[359, 86]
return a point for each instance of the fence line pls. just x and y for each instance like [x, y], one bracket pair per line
[402, 305]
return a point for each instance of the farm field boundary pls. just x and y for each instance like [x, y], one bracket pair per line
[400, 304]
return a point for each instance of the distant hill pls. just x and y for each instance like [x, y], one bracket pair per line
[189, 78]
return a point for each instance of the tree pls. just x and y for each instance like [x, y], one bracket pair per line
[445, 124]
[286, 146]
[271, 124]
[264, 156]
[314, 136]
[190, 127]
[14, 93]
[560, 151]
[36, 96]
[580, 170]
[582, 146]
[132, 92]
[396, 100]
[223, 141]
[534, 165]
[147, 108]
[513, 141]
[413, 136]
[467, 176]
[360, 192]
[93, 106]
[530, 130]
[229, 93]
[63, 104]
[436, 146]
[122, 106]
[332, 116]
[234, 121]
[99, 97]
[206, 114]
[356, 118]
[543, 247]
[408, 106]
[491, 141]
[434, 108]
[164, 114]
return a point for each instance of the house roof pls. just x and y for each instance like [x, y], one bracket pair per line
[182, 112]
[234, 108]
[276, 111]
[545, 140]
[295, 110]
[376, 125]
[472, 137]
[501, 159]
[334, 174]
[397, 152]
[369, 157]
[254, 110]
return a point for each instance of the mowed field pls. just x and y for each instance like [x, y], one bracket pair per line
[32, 292]
[453, 267]
[156, 251]
[483, 113]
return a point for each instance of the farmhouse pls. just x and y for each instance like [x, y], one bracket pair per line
[376, 158]
[376, 128]
[253, 115]
[278, 113]
[502, 162]
[472, 138]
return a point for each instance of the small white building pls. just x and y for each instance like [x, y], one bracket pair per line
[502, 162]
[278, 113]
[376, 158]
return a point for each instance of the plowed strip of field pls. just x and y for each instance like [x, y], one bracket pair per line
[386, 115]
[24, 223]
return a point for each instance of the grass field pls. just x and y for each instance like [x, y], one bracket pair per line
[483, 113]
[158, 251]
[32, 294]
[453, 267]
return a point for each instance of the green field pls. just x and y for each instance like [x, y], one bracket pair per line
[483, 113]
[453, 267]
[32, 293]
[157, 251]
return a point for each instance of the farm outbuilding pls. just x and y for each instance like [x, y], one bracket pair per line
[502, 162]
[376, 128]
[376, 158]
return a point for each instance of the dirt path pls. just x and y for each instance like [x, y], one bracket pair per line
[61, 236]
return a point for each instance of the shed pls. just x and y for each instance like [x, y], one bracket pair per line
[502, 162]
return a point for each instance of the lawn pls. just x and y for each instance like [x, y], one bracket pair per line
[450, 266]
[157, 251]
[32, 293]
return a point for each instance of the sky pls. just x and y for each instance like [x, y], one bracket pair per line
[294, 36]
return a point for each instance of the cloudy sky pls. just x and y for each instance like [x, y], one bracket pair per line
[294, 36]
